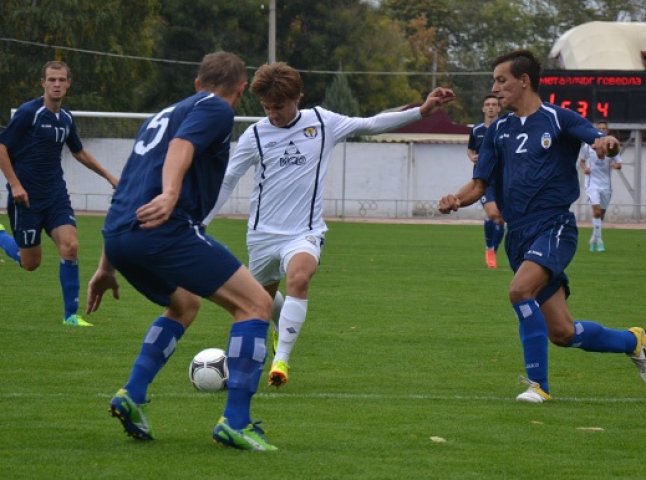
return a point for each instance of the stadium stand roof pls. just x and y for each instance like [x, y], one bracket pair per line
[437, 128]
[602, 46]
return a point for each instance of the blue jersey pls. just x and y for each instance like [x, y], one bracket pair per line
[476, 136]
[34, 139]
[532, 162]
[203, 119]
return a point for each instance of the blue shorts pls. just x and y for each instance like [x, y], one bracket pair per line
[550, 243]
[158, 261]
[27, 224]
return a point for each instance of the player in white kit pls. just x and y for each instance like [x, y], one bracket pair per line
[290, 151]
[598, 186]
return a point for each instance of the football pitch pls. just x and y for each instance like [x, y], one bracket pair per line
[407, 368]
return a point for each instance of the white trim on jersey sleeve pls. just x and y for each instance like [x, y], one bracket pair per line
[342, 126]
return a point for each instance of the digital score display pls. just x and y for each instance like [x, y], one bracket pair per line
[617, 96]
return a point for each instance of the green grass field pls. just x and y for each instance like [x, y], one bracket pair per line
[409, 337]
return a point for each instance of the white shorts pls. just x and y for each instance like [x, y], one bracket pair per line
[269, 254]
[598, 196]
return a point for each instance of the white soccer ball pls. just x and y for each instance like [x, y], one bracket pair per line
[208, 370]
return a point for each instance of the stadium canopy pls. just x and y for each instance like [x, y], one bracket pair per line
[436, 128]
[602, 46]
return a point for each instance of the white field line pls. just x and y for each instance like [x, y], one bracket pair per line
[370, 397]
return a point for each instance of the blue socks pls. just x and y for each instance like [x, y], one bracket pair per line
[589, 336]
[533, 336]
[245, 358]
[494, 233]
[498, 234]
[593, 337]
[9, 245]
[159, 344]
[70, 284]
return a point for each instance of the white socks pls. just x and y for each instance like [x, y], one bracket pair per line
[292, 317]
[596, 229]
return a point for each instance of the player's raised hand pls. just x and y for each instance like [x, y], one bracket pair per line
[449, 203]
[438, 97]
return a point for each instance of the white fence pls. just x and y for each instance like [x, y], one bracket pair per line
[369, 180]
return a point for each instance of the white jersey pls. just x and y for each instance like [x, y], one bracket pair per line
[600, 168]
[290, 166]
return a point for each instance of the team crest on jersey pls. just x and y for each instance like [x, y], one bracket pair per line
[546, 141]
[310, 132]
[292, 156]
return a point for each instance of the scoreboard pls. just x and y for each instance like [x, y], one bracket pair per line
[617, 96]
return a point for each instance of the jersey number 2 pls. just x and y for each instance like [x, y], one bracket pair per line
[523, 139]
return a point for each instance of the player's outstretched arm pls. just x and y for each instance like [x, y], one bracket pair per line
[466, 196]
[103, 279]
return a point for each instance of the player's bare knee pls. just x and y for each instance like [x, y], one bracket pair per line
[29, 265]
[69, 250]
[184, 311]
[518, 295]
[260, 306]
[561, 338]
[298, 284]
[29, 261]
[265, 306]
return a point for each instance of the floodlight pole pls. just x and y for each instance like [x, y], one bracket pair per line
[271, 49]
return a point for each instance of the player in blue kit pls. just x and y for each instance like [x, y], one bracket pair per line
[494, 225]
[30, 159]
[154, 238]
[530, 155]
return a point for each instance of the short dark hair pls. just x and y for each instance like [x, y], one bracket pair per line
[489, 95]
[522, 62]
[56, 65]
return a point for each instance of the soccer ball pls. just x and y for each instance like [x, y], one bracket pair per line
[208, 370]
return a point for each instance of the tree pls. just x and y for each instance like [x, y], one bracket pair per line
[338, 97]
[100, 82]
[470, 34]
[189, 30]
[321, 35]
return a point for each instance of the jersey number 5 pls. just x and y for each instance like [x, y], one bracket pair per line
[159, 122]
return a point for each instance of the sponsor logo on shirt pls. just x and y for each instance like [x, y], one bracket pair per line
[292, 156]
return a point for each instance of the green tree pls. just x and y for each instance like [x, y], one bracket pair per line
[324, 34]
[338, 97]
[189, 30]
[470, 34]
[100, 82]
